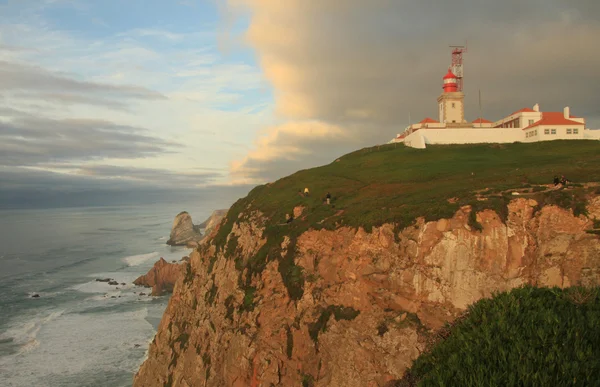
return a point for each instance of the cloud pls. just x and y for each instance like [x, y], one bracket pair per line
[281, 147]
[365, 66]
[162, 177]
[30, 188]
[27, 140]
[20, 76]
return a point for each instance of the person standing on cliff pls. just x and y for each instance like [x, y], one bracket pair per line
[306, 193]
[328, 198]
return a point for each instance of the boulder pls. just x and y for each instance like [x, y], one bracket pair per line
[113, 283]
[162, 277]
[183, 230]
[103, 279]
[35, 295]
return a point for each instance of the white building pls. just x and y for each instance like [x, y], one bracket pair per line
[525, 125]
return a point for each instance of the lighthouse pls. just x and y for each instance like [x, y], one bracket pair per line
[450, 82]
[451, 101]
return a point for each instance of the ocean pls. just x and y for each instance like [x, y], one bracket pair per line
[81, 332]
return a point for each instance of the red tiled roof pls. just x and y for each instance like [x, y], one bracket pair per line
[429, 121]
[524, 110]
[481, 121]
[553, 118]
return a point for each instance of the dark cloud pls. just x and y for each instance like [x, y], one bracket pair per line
[69, 99]
[365, 66]
[161, 177]
[27, 188]
[26, 141]
[23, 77]
[105, 177]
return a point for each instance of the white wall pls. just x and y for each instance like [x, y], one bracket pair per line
[464, 136]
[561, 132]
[591, 134]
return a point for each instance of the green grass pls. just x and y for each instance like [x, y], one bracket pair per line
[397, 184]
[527, 337]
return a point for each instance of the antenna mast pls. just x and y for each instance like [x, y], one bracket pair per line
[457, 64]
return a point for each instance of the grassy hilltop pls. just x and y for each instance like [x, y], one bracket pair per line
[394, 183]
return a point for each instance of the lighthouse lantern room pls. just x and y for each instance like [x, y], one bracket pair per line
[451, 101]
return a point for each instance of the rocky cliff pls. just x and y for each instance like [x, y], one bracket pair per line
[350, 307]
[161, 278]
[183, 230]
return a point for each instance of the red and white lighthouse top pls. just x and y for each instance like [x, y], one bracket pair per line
[450, 82]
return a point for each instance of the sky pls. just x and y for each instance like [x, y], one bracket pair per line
[147, 95]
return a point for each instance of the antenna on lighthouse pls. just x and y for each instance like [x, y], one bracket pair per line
[457, 63]
[480, 116]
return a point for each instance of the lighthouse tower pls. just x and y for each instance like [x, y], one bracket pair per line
[451, 102]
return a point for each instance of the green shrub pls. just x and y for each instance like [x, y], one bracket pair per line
[248, 303]
[528, 336]
[229, 307]
[475, 225]
[209, 297]
[290, 342]
[339, 312]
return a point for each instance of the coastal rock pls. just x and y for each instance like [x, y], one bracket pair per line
[103, 279]
[183, 230]
[35, 295]
[161, 278]
[113, 283]
[210, 224]
[368, 301]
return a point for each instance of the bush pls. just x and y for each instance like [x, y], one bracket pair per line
[529, 336]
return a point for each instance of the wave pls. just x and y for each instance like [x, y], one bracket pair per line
[136, 260]
[25, 335]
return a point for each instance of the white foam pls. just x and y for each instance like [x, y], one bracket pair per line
[72, 344]
[136, 260]
[25, 334]
[103, 287]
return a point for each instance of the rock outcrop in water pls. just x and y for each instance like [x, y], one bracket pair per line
[353, 308]
[161, 278]
[183, 230]
[185, 233]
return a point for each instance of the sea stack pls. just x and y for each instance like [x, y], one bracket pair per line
[183, 230]
[161, 278]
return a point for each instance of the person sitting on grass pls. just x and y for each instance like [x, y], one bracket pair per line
[328, 198]
[289, 218]
[564, 181]
[556, 180]
[306, 193]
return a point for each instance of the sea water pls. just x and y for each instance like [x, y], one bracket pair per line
[81, 332]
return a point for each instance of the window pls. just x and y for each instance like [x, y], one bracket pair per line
[575, 131]
[453, 105]
[568, 131]
[530, 122]
[553, 131]
[546, 131]
[536, 132]
[527, 135]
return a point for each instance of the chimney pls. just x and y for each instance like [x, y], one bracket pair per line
[567, 112]
[536, 107]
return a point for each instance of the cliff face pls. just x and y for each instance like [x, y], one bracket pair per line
[183, 230]
[161, 278]
[368, 303]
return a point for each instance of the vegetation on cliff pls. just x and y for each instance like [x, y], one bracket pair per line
[396, 184]
[528, 336]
